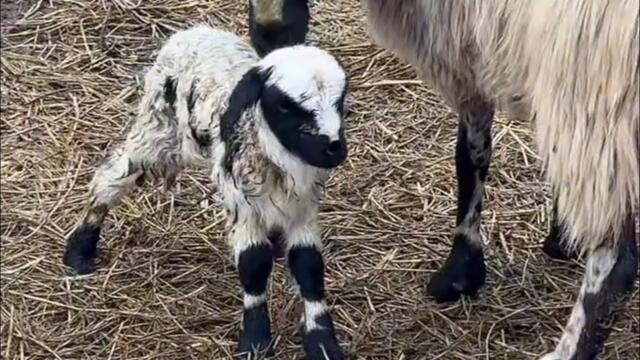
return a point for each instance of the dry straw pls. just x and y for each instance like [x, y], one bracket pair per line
[166, 288]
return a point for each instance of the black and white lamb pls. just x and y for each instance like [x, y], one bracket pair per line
[269, 131]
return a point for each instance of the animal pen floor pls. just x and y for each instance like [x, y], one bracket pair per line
[167, 288]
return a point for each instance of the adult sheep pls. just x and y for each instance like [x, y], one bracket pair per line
[572, 67]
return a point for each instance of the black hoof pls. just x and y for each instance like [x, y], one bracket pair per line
[554, 246]
[322, 345]
[254, 346]
[463, 273]
[80, 253]
[255, 337]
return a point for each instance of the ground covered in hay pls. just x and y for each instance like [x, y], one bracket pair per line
[167, 289]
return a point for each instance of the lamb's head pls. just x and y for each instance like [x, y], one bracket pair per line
[300, 94]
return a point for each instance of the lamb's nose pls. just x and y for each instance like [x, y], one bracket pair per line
[334, 147]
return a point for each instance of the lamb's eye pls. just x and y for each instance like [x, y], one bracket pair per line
[282, 109]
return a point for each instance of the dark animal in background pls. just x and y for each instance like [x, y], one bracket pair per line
[572, 68]
[277, 23]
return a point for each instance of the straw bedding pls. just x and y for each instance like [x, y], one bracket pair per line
[167, 289]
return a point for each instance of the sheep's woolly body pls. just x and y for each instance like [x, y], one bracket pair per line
[572, 66]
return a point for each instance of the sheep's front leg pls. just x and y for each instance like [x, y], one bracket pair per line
[464, 269]
[254, 260]
[608, 282]
[307, 266]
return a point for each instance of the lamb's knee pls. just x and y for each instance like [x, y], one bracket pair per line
[114, 179]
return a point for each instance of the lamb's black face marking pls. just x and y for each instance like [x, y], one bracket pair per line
[291, 31]
[297, 130]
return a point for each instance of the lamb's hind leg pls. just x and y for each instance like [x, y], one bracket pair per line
[112, 180]
[151, 150]
[608, 282]
[128, 166]
[307, 266]
[464, 269]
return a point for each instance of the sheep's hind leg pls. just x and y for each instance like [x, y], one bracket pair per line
[464, 269]
[254, 260]
[556, 244]
[607, 285]
[307, 266]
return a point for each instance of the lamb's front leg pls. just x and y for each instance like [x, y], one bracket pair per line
[254, 259]
[307, 266]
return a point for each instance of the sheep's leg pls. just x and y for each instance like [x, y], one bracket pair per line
[607, 286]
[464, 269]
[254, 260]
[307, 266]
[555, 245]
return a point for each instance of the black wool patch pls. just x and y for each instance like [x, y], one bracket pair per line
[254, 266]
[307, 267]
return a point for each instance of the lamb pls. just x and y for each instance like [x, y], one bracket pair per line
[571, 67]
[269, 132]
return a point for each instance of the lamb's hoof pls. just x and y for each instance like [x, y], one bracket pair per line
[255, 348]
[463, 273]
[252, 343]
[556, 249]
[79, 264]
[255, 337]
[80, 253]
[321, 344]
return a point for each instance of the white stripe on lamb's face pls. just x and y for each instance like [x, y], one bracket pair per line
[302, 102]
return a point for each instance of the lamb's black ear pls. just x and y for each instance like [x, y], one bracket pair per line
[245, 95]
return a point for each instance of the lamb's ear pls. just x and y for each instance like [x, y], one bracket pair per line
[246, 94]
